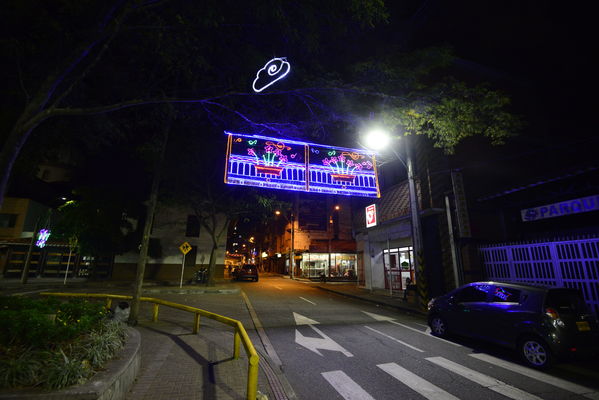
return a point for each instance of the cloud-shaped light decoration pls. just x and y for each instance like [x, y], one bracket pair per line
[275, 69]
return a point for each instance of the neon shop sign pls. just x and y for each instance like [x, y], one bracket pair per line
[254, 160]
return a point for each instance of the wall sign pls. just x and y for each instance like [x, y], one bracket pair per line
[568, 207]
[274, 70]
[371, 215]
[254, 160]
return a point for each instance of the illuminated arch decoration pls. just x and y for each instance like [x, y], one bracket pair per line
[262, 161]
[274, 70]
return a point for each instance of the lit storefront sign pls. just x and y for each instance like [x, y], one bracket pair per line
[254, 160]
[568, 207]
[42, 237]
[371, 215]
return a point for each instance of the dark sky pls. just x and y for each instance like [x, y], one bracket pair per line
[541, 53]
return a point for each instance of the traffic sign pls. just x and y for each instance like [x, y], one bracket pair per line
[185, 248]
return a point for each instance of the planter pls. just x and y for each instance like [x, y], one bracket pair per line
[269, 169]
[346, 178]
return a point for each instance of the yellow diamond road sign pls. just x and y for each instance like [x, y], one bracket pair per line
[185, 248]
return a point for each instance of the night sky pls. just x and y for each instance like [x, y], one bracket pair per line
[540, 52]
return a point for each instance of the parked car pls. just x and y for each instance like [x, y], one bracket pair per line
[246, 271]
[540, 322]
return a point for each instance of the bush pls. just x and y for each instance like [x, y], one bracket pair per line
[54, 344]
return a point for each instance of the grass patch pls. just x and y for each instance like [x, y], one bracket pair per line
[53, 344]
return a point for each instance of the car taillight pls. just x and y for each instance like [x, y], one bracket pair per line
[551, 313]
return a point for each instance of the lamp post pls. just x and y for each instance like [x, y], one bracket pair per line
[378, 139]
[291, 248]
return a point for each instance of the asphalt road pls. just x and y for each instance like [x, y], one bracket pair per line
[332, 347]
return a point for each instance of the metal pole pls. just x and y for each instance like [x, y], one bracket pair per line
[182, 269]
[292, 258]
[454, 255]
[389, 269]
[416, 228]
[68, 263]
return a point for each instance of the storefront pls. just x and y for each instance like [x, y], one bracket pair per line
[399, 267]
[340, 266]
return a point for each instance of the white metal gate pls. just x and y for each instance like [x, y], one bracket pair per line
[571, 263]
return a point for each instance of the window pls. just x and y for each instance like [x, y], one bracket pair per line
[505, 295]
[193, 226]
[470, 294]
[8, 220]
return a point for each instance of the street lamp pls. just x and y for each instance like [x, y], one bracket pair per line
[291, 249]
[378, 139]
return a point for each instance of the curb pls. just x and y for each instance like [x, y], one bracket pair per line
[111, 383]
[374, 301]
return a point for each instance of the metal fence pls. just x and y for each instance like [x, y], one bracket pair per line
[569, 263]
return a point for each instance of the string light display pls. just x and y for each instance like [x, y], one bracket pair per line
[255, 160]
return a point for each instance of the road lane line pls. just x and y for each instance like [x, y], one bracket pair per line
[484, 380]
[540, 376]
[278, 287]
[416, 383]
[345, 386]
[311, 302]
[394, 339]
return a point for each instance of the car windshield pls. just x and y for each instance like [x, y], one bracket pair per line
[567, 301]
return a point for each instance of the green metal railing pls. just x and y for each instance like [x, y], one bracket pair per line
[240, 336]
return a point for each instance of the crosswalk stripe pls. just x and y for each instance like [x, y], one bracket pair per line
[394, 339]
[538, 375]
[416, 383]
[345, 386]
[483, 380]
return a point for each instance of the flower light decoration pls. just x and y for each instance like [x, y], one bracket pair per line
[344, 164]
[271, 160]
[288, 164]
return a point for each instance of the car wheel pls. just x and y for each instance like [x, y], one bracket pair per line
[535, 353]
[438, 326]
[256, 279]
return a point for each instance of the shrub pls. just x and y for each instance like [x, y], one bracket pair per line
[54, 344]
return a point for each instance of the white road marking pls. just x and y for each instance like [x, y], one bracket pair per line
[33, 291]
[540, 376]
[416, 383]
[324, 342]
[483, 380]
[345, 386]
[394, 339]
[311, 302]
[422, 325]
[278, 287]
[302, 320]
[379, 317]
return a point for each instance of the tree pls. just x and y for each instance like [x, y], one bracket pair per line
[77, 63]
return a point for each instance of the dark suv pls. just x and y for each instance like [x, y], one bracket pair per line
[540, 322]
[246, 271]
